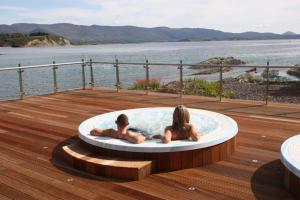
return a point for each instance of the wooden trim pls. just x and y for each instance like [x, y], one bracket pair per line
[83, 159]
[92, 159]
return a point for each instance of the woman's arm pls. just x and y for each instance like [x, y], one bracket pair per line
[167, 136]
[134, 137]
[195, 134]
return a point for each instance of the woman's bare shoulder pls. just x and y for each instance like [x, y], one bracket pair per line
[168, 128]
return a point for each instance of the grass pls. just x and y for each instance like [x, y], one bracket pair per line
[201, 87]
[192, 86]
[154, 84]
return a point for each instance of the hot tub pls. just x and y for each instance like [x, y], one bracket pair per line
[217, 142]
[290, 157]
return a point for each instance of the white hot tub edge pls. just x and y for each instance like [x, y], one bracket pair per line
[286, 159]
[175, 146]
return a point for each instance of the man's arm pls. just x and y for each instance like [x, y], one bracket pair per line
[104, 132]
[96, 131]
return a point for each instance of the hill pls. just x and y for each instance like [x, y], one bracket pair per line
[38, 39]
[79, 34]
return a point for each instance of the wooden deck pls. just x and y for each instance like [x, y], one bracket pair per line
[33, 130]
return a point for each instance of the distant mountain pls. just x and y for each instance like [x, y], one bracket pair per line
[289, 33]
[79, 34]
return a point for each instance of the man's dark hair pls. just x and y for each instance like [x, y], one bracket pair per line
[122, 120]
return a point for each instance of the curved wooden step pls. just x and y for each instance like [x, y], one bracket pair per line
[84, 159]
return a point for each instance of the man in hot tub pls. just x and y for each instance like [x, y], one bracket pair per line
[122, 131]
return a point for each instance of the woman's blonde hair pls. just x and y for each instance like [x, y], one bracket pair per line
[181, 118]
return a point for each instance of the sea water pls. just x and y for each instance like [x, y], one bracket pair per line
[40, 81]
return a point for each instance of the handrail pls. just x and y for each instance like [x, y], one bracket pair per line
[194, 65]
[39, 66]
[117, 64]
[143, 64]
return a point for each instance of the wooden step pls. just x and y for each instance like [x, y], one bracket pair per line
[83, 159]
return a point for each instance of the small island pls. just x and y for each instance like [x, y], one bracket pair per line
[217, 61]
[36, 39]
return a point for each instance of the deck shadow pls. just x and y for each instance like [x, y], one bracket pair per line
[268, 181]
[58, 162]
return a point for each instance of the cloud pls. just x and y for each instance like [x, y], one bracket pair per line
[11, 9]
[229, 15]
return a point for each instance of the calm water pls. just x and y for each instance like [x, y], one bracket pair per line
[39, 81]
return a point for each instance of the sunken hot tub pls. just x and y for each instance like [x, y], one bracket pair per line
[217, 142]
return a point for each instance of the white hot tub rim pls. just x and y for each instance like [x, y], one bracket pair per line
[231, 131]
[292, 165]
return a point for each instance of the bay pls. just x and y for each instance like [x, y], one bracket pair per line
[40, 81]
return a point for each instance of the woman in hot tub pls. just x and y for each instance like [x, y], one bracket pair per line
[181, 129]
[121, 133]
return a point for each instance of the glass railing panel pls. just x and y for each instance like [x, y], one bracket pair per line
[9, 85]
[37, 81]
[70, 77]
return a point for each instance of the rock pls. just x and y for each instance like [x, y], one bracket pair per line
[222, 60]
[294, 71]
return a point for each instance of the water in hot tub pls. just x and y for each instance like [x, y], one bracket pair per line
[153, 121]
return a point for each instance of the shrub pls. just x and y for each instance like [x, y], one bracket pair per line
[154, 84]
[206, 88]
[38, 34]
[228, 94]
[202, 87]
[273, 74]
[248, 77]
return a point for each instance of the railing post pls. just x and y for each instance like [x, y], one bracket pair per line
[83, 74]
[268, 83]
[147, 76]
[92, 83]
[54, 68]
[117, 75]
[20, 71]
[221, 83]
[181, 80]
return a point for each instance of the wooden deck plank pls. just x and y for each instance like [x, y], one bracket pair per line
[32, 129]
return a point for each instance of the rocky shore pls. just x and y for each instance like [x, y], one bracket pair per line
[243, 87]
[283, 92]
[251, 85]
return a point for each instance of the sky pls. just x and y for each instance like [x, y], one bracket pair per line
[275, 16]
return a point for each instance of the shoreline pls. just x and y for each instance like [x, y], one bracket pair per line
[157, 42]
[239, 88]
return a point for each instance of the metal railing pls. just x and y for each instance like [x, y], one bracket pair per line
[180, 66]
